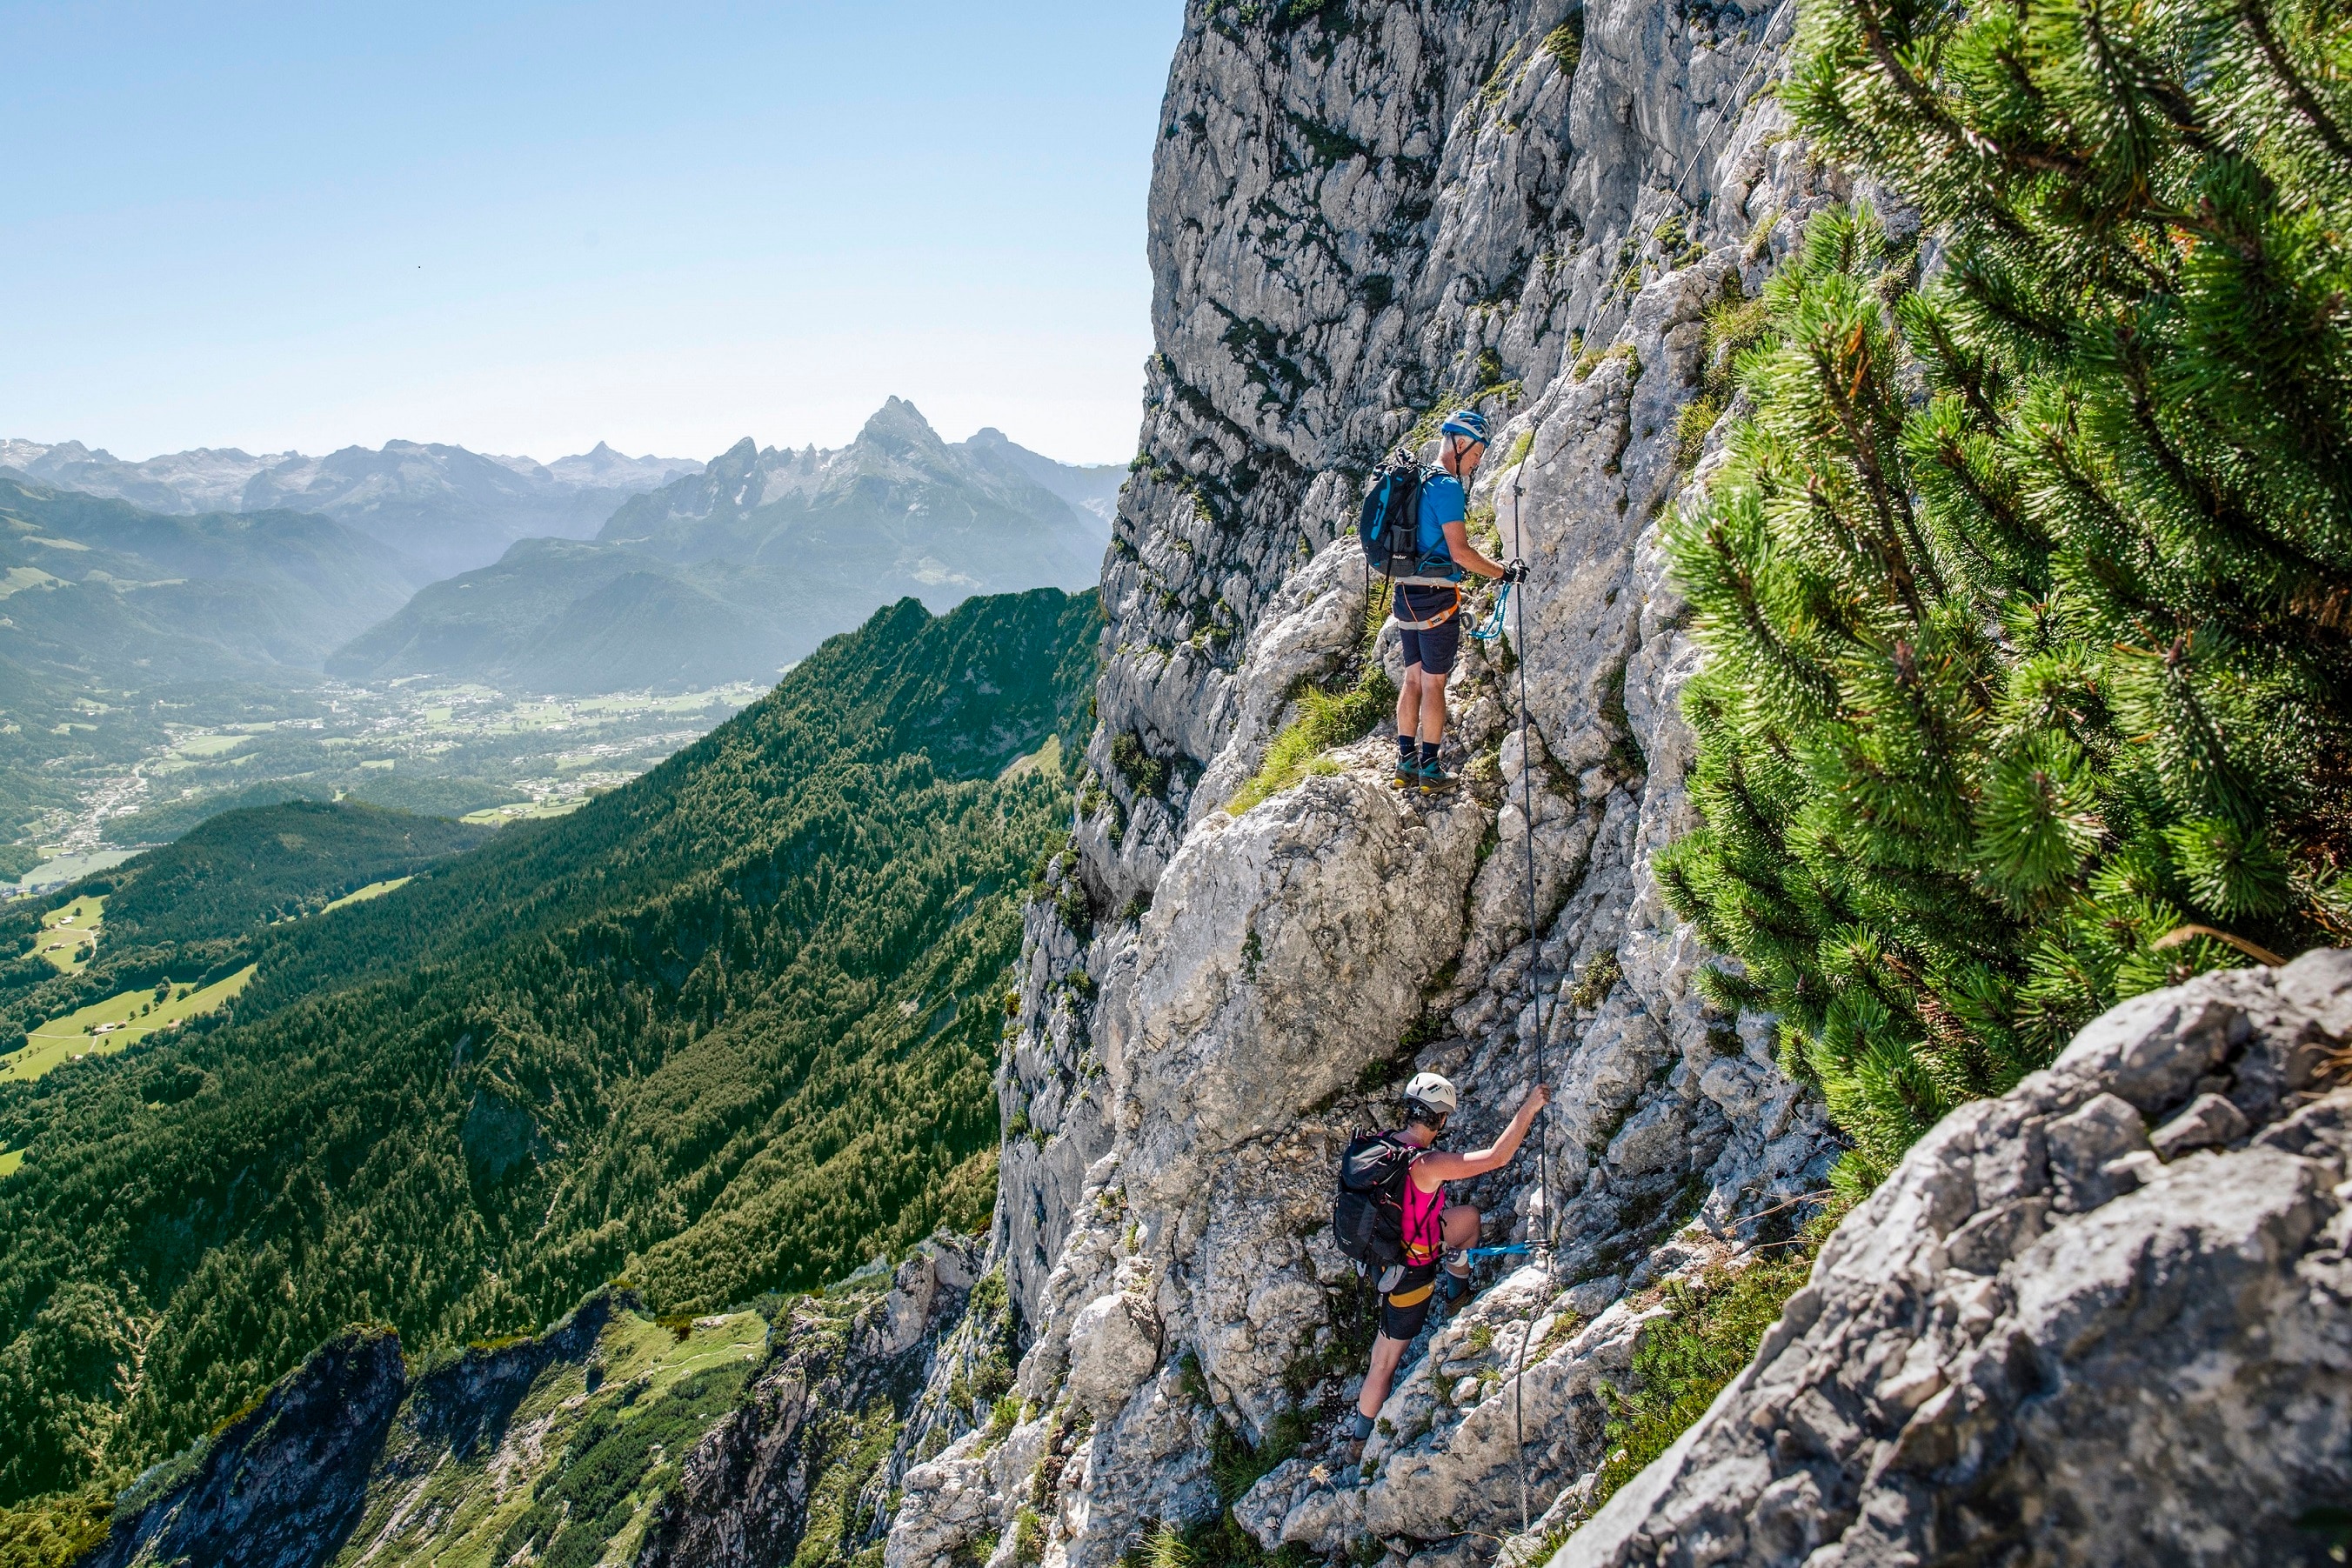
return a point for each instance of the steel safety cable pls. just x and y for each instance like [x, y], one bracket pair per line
[1739, 96]
[1547, 1249]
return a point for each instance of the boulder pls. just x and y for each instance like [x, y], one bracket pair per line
[1114, 1344]
[2049, 1339]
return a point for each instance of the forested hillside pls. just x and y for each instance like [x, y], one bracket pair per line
[242, 868]
[726, 1030]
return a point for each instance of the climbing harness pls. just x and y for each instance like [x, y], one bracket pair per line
[1535, 940]
[1440, 619]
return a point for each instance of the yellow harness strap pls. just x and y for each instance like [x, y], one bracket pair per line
[1414, 1297]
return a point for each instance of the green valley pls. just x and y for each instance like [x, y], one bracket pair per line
[727, 1029]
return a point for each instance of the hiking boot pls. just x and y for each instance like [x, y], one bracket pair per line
[1434, 777]
[1452, 1289]
[1357, 1430]
[1408, 773]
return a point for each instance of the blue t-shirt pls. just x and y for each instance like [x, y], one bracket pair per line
[1442, 502]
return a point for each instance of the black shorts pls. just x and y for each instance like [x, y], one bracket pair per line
[1433, 650]
[1406, 1308]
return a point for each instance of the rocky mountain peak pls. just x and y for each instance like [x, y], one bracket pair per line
[899, 429]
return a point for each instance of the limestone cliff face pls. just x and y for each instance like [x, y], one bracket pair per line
[1362, 213]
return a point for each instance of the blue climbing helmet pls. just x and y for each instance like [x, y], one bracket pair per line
[1466, 422]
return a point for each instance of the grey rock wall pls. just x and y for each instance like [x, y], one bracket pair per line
[2101, 1320]
[1361, 213]
[283, 1484]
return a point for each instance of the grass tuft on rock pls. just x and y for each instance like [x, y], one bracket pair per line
[1684, 1361]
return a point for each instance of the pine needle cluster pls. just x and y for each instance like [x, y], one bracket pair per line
[2028, 585]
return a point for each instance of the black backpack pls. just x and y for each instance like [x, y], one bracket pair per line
[1389, 526]
[1367, 1210]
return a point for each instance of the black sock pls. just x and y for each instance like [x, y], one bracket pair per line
[1429, 754]
[1404, 748]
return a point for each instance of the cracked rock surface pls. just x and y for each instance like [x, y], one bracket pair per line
[2067, 1330]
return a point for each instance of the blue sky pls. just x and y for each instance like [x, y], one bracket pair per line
[528, 228]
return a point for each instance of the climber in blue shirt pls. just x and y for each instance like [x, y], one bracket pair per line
[1428, 605]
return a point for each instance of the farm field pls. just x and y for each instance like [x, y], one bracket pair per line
[444, 749]
[69, 935]
[104, 1028]
[527, 811]
[373, 890]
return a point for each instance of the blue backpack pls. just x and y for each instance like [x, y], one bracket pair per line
[1389, 526]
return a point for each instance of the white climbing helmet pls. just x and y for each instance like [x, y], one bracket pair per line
[1433, 1091]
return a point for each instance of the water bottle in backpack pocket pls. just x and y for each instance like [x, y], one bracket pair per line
[1367, 1209]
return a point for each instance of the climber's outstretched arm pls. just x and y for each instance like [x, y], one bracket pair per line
[1433, 1168]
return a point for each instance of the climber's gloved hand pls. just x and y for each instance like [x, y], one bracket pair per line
[1515, 571]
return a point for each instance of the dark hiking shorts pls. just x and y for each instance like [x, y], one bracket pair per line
[1406, 1308]
[1435, 649]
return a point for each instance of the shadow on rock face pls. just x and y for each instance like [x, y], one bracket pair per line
[281, 1487]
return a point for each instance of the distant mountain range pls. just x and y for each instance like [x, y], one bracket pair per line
[594, 573]
[97, 593]
[444, 507]
[730, 572]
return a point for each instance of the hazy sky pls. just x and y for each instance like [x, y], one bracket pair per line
[526, 228]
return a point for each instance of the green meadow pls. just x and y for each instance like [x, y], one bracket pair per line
[373, 890]
[104, 1028]
[69, 934]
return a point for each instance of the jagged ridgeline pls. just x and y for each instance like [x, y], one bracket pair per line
[727, 1029]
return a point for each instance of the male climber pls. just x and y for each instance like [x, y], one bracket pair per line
[1428, 605]
[1434, 1231]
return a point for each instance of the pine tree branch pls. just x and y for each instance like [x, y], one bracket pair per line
[1759, 626]
[2298, 92]
[1893, 506]
[1931, 107]
[2014, 528]
[2220, 508]
[1964, 374]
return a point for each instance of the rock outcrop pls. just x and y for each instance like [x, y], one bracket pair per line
[673, 1444]
[2104, 1319]
[822, 1414]
[1363, 215]
[281, 1486]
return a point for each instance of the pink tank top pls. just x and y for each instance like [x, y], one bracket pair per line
[1424, 1223]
